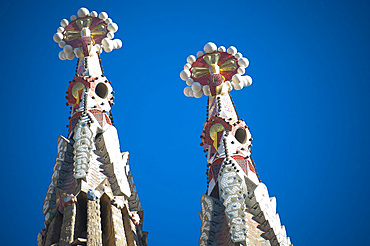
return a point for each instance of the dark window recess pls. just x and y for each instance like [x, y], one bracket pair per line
[81, 217]
[241, 135]
[106, 221]
[101, 90]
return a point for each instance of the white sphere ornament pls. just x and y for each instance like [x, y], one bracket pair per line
[191, 93]
[108, 49]
[62, 55]
[68, 49]
[198, 94]
[222, 49]
[70, 56]
[64, 22]
[187, 66]
[196, 87]
[210, 47]
[113, 27]
[238, 55]
[200, 53]
[58, 37]
[237, 78]
[243, 62]
[191, 59]
[118, 43]
[73, 17]
[187, 91]
[108, 46]
[108, 21]
[189, 81]
[78, 52]
[110, 35]
[83, 12]
[62, 44]
[247, 80]
[105, 42]
[60, 29]
[115, 45]
[94, 14]
[232, 50]
[206, 90]
[241, 70]
[185, 74]
[103, 16]
[236, 85]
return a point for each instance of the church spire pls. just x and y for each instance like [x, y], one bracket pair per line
[92, 198]
[236, 209]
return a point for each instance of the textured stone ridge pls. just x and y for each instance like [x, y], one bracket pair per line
[94, 235]
[95, 218]
[54, 229]
[118, 229]
[68, 226]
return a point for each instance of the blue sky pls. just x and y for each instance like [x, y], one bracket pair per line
[308, 110]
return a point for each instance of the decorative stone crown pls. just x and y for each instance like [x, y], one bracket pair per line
[215, 72]
[86, 35]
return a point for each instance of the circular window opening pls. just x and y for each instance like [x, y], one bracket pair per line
[101, 90]
[241, 135]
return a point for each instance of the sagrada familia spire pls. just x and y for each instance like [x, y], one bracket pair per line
[92, 198]
[236, 209]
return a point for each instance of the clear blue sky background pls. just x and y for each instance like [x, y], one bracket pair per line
[308, 110]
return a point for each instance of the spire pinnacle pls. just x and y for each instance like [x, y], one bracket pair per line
[86, 35]
[215, 72]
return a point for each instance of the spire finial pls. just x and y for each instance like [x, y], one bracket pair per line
[86, 35]
[215, 72]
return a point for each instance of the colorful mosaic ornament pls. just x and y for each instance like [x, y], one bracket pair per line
[215, 72]
[49, 216]
[86, 35]
[68, 200]
[93, 195]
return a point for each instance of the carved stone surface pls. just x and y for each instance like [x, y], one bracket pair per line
[53, 230]
[130, 229]
[68, 226]
[232, 189]
[213, 222]
[118, 229]
[83, 137]
[50, 199]
[108, 149]
[94, 234]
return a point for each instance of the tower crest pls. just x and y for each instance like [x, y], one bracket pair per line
[215, 72]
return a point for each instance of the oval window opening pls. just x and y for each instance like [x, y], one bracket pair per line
[101, 90]
[241, 135]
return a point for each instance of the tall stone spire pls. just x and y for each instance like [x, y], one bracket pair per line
[236, 209]
[92, 198]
